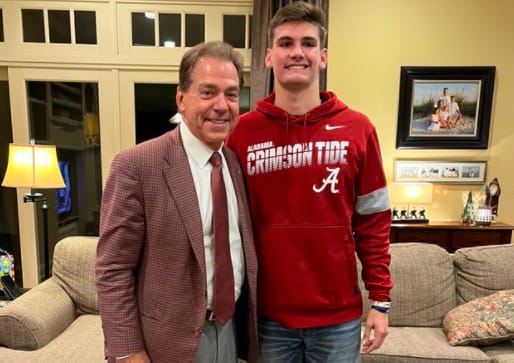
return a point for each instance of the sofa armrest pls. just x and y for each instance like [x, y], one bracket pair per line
[36, 317]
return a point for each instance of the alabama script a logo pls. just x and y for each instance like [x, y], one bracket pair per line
[330, 180]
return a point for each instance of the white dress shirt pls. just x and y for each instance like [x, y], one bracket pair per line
[198, 155]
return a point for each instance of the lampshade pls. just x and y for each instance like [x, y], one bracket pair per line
[33, 166]
[411, 193]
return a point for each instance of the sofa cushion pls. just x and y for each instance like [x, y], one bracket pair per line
[413, 345]
[481, 271]
[74, 270]
[482, 321]
[424, 285]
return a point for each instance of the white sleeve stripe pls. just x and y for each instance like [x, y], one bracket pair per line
[374, 202]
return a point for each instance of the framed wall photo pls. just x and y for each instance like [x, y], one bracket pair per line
[458, 172]
[445, 107]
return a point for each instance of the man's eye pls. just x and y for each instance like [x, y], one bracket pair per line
[285, 44]
[233, 96]
[206, 93]
[309, 44]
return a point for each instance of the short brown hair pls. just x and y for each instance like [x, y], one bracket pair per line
[215, 49]
[299, 12]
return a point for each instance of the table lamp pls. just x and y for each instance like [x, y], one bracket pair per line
[407, 196]
[36, 167]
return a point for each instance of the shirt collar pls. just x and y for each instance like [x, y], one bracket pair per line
[195, 148]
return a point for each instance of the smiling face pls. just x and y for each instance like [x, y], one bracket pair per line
[210, 106]
[295, 55]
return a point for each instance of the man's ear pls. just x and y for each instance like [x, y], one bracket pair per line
[179, 99]
[324, 58]
[267, 59]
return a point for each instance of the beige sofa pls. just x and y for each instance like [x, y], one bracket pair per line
[429, 282]
[57, 321]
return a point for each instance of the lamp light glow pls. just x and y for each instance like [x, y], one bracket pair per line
[412, 193]
[33, 166]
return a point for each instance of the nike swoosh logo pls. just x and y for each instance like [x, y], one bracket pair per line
[330, 127]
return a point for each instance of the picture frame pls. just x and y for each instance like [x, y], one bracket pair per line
[464, 120]
[444, 172]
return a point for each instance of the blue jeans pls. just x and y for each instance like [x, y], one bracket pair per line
[328, 344]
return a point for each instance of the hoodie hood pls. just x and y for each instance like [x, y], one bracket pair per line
[329, 106]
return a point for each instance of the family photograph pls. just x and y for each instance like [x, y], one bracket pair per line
[445, 108]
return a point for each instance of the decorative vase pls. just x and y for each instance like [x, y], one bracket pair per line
[483, 216]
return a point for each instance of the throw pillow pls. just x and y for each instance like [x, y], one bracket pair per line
[481, 321]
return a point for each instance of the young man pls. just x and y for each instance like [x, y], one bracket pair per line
[317, 195]
[157, 268]
[445, 97]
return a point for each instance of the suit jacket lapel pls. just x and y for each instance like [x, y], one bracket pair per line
[180, 183]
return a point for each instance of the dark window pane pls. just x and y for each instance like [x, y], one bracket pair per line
[195, 29]
[244, 100]
[169, 30]
[154, 107]
[59, 26]
[38, 103]
[1, 26]
[85, 27]
[143, 29]
[33, 25]
[234, 30]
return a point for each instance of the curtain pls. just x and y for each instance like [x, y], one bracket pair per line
[261, 81]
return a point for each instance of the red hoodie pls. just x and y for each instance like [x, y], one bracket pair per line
[317, 194]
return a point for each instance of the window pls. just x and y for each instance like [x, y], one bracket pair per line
[143, 25]
[234, 30]
[85, 27]
[244, 100]
[58, 26]
[168, 28]
[33, 26]
[1, 26]
[154, 108]
[66, 114]
[195, 29]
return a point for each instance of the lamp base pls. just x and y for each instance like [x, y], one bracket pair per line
[40, 198]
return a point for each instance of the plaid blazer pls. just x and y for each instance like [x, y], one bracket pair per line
[150, 270]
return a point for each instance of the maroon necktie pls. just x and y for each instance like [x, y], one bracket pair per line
[223, 273]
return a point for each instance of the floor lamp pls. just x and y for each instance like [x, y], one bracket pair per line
[36, 167]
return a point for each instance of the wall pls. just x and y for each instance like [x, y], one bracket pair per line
[369, 40]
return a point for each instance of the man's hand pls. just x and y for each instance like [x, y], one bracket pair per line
[375, 330]
[140, 357]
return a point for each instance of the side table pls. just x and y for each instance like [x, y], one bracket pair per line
[452, 235]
